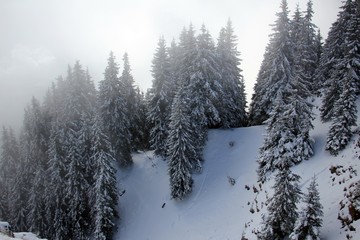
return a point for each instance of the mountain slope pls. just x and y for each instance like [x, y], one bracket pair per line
[217, 209]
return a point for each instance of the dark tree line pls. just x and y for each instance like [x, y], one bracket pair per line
[59, 178]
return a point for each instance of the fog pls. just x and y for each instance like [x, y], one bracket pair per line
[39, 38]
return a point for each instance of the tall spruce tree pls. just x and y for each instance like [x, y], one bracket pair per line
[232, 111]
[182, 147]
[103, 193]
[161, 99]
[335, 49]
[309, 222]
[348, 73]
[56, 203]
[129, 94]
[113, 107]
[9, 164]
[80, 104]
[276, 70]
[282, 215]
[288, 140]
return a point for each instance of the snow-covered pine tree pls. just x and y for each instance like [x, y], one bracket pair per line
[56, 203]
[129, 94]
[344, 118]
[141, 137]
[333, 52]
[276, 70]
[282, 214]
[204, 85]
[182, 149]
[113, 107]
[193, 82]
[161, 98]
[80, 105]
[38, 136]
[309, 222]
[9, 163]
[348, 73]
[305, 42]
[232, 111]
[103, 192]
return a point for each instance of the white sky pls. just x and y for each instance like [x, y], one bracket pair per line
[39, 38]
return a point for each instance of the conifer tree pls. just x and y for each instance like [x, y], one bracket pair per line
[80, 108]
[279, 222]
[182, 147]
[113, 107]
[129, 94]
[56, 204]
[161, 99]
[233, 102]
[309, 222]
[204, 84]
[9, 163]
[276, 70]
[104, 191]
[335, 49]
[348, 73]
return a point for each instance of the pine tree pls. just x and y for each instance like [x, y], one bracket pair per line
[182, 147]
[104, 191]
[113, 107]
[204, 85]
[38, 136]
[279, 222]
[234, 103]
[333, 53]
[80, 105]
[348, 73]
[56, 204]
[129, 94]
[276, 70]
[194, 82]
[9, 163]
[309, 222]
[161, 99]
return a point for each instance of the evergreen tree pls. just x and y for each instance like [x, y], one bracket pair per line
[233, 102]
[80, 105]
[182, 147]
[309, 222]
[348, 73]
[194, 82]
[161, 99]
[276, 70]
[129, 94]
[38, 134]
[113, 107]
[279, 222]
[142, 135]
[204, 85]
[334, 52]
[104, 191]
[56, 203]
[9, 163]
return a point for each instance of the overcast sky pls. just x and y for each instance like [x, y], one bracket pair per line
[39, 38]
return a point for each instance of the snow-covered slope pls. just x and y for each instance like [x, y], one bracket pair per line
[216, 209]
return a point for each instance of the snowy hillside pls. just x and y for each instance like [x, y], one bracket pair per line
[216, 209]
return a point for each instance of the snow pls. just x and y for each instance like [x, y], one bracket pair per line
[20, 236]
[217, 209]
